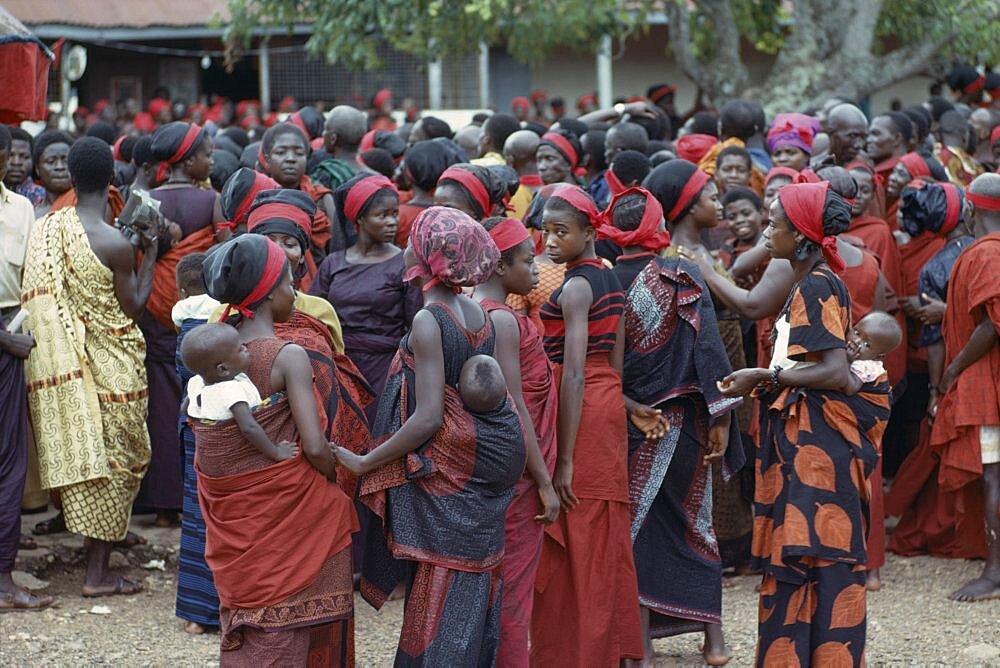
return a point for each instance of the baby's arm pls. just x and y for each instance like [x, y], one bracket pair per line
[853, 384]
[255, 434]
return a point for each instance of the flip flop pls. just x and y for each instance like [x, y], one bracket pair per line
[23, 600]
[122, 587]
[52, 525]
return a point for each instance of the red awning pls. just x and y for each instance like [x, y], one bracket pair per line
[24, 72]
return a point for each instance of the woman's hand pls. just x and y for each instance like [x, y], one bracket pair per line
[356, 464]
[718, 441]
[562, 481]
[741, 383]
[650, 421]
[550, 504]
[932, 312]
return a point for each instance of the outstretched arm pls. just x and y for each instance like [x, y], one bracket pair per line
[830, 373]
[428, 414]
[764, 300]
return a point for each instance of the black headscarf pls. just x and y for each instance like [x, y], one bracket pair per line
[533, 218]
[266, 215]
[309, 120]
[239, 191]
[667, 183]
[424, 163]
[168, 139]
[927, 208]
[234, 270]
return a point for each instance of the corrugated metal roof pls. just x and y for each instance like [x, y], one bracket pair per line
[117, 13]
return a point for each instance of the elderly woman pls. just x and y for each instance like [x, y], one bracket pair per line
[277, 605]
[444, 528]
[817, 449]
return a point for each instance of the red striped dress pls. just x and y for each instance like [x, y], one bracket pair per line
[587, 600]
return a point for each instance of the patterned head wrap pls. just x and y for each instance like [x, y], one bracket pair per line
[451, 249]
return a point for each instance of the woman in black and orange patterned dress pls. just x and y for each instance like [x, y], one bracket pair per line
[815, 451]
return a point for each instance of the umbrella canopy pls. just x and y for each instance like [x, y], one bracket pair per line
[24, 72]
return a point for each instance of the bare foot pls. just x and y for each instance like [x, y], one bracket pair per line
[715, 651]
[165, 519]
[115, 586]
[22, 599]
[872, 581]
[131, 540]
[194, 629]
[980, 589]
[26, 543]
[728, 582]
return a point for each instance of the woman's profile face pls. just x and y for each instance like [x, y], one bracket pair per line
[283, 299]
[780, 237]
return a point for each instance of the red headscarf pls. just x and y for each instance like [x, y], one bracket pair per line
[364, 190]
[477, 191]
[271, 272]
[520, 103]
[915, 165]
[648, 234]
[694, 147]
[615, 184]
[381, 98]
[579, 200]
[509, 233]
[803, 204]
[584, 100]
[782, 171]
[995, 136]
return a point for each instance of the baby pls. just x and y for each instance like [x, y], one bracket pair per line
[221, 389]
[875, 335]
[481, 384]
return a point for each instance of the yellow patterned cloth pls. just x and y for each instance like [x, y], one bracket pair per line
[87, 388]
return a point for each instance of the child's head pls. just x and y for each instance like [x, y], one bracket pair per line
[481, 384]
[732, 168]
[873, 337]
[631, 168]
[744, 213]
[214, 352]
[516, 269]
[189, 280]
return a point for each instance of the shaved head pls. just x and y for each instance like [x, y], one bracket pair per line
[468, 139]
[208, 345]
[345, 126]
[882, 330]
[984, 221]
[848, 130]
[519, 149]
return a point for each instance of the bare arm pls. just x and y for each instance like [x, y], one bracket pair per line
[295, 375]
[983, 338]
[766, 298]
[830, 373]
[749, 260]
[428, 414]
[508, 355]
[255, 433]
[575, 301]
[217, 217]
[132, 288]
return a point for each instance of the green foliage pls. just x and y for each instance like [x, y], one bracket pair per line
[970, 28]
[352, 31]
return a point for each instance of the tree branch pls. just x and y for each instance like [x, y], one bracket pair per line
[680, 40]
[859, 31]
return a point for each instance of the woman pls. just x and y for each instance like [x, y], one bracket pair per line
[444, 529]
[364, 283]
[536, 396]
[671, 364]
[789, 141]
[284, 152]
[558, 155]
[910, 167]
[474, 190]
[278, 605]
[237, 196]
[422, 166]
[586, 584]
[184, 153]
[816, 449]
[50, 156]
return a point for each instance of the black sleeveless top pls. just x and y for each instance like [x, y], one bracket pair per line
[604, 316]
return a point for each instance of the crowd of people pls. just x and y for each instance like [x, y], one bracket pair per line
[555, 380]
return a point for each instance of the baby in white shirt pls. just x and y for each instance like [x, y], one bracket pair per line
[868, 342]
[221, 390]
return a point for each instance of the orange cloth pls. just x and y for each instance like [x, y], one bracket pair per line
[164, 294]
[550, 277]
[407, 214]
[115, 201]
[707, 164]
[974, 398]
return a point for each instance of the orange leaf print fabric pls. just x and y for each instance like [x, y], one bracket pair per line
[833, 655]
[833, 527]
[818, 315]
[849, 608]
[814, 467]
[781, 654]
[795, 528]
[839, 416]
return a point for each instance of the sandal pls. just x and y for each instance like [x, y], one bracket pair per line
[50, 526]
[122, 587]
[22, 599]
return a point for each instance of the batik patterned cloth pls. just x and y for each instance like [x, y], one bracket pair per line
[816, 453]
[440, 512]
[87, 388]
[673, 358]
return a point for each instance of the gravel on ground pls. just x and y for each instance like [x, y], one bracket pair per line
[910, 622]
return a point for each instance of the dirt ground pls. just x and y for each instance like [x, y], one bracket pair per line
[910, 622]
